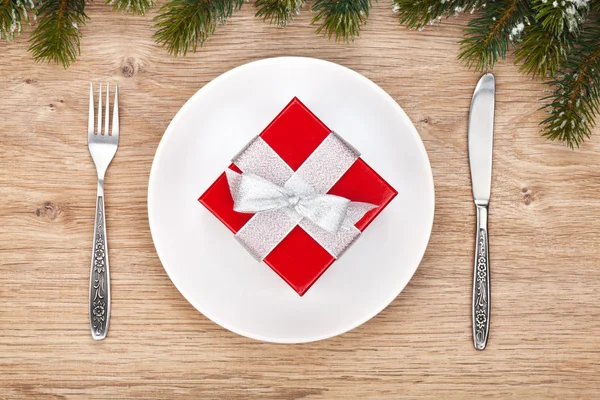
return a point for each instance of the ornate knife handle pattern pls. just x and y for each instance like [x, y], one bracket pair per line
[99, 277]
[481, 282]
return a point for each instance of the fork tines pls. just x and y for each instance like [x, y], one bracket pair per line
[115, 120]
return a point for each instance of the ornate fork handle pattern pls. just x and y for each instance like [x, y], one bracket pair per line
[481, 282]
[99, 277]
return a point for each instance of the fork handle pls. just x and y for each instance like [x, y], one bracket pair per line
[99, 274]
[481, 281]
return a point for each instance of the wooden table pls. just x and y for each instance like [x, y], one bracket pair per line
[545, 227]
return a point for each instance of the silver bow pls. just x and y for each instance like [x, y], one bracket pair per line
[255, 194]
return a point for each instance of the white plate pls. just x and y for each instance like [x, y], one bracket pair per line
[215, 273]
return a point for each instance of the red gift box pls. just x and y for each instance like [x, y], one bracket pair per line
[294, 135]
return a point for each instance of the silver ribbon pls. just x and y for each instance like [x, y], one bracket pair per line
[254, 194]
[282, 199]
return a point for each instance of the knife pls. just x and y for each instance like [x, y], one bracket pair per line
[481, 138]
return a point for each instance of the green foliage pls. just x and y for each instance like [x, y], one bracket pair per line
[136, 7]
[575, 102]
[418, 14]
[492, 31]
[13, 13]
[560, 17]
[278, 12]
[340, 18]
[56, 37]
[184, 24]
[541, 52]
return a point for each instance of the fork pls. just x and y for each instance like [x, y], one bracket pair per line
[103, 147]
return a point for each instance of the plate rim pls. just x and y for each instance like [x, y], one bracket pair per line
[169, 132]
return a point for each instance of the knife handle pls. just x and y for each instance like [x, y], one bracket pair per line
[481, 281]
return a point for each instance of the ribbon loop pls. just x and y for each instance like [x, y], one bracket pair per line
[254, 194]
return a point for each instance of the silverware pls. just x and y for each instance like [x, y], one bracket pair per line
[481, 138]
[103, 146]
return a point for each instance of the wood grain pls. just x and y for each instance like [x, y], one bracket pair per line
[545, 225]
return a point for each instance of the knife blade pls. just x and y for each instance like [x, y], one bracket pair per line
[481, 138]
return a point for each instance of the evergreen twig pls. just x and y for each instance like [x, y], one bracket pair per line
[541, 52]
[184, 24]
[554, 29]
[418, 14]
[490, 33]
[56, 37]
[136, 7]
[341, 19]
[561, 17]
[575, 102]
[278, 12]
[13, 13]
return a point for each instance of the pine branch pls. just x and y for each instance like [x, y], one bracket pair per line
[340, 18]
[541, 52]
[575, 102]
[13, 13]
[278, 12]
[546, 43]
[136, 7]
[561, 17]
[490, 34]
[56, 37]
[184, 24]
[418, 14]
